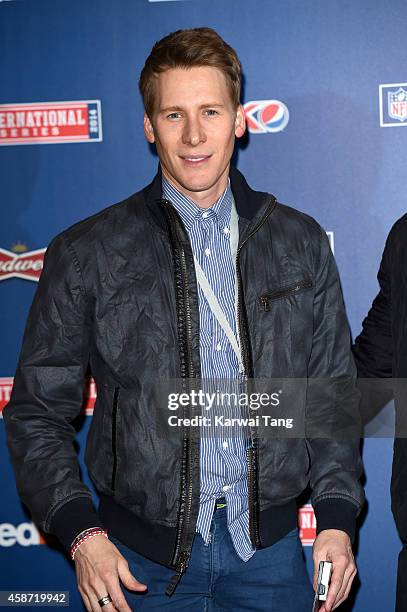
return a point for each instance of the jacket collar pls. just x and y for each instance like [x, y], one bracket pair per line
[250, 205]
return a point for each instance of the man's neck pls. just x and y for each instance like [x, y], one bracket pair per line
[203, 199]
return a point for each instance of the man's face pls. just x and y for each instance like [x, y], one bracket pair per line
[194, 127]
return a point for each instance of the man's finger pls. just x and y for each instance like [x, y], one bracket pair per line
[97, 588]
[127, 577]
[338, 573]
[85, 599]
[115, 592]
[342, 597]
[118, 602]
[93, 597]
[348, 577]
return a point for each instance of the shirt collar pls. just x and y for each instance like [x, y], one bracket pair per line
[191, 213]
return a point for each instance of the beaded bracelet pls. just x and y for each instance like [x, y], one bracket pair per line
[83, 533]
[83, 536]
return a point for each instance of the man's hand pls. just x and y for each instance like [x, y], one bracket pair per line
[99, 565]
[335, 546]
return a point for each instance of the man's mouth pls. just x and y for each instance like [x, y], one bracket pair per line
[194, 160]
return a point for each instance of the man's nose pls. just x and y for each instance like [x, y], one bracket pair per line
[193, 133]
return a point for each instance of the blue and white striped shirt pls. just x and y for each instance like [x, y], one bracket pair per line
[223, 465]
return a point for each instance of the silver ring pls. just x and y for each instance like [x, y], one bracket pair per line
[103, 601]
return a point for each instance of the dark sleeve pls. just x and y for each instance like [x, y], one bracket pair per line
[332, 406]
[373, 348]
[47, 396]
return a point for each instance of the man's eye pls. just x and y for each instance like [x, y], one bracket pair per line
[211, 112]
[174, 116]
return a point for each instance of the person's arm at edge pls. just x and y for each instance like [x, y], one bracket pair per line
[336, 466]
[373, 348]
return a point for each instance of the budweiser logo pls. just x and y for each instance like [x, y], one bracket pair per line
[27, 265]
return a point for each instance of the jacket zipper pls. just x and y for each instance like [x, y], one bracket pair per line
[251, 452]
[114, 435]
[277, 295]
[181, 557]
[253, 526]
[187, 314]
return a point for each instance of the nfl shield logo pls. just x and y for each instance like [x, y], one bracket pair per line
[397, 104]
[393, 104]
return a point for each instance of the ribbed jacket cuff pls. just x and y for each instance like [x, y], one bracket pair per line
[72, 518]
[336, 513]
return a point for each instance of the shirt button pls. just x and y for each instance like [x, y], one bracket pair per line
[219, 346]
[226, 488]
[207, 252]
[205, 214]
[225, 445]
[226, 230]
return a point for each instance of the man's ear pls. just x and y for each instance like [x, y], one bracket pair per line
[148, 129]
[240, 122]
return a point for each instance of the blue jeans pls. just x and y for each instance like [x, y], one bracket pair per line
[274, 579]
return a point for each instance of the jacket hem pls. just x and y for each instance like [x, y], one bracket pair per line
[152, 540]
[276, 522]
[157, 542]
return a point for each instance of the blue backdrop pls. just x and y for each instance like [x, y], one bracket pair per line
[337, 158]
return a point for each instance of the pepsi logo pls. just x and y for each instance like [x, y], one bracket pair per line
[266, 116]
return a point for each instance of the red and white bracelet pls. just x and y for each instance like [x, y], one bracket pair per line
[83, 536]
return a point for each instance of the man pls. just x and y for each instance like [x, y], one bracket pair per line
[195, 276]
[381, 354]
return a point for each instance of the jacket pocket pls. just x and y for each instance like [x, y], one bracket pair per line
[115, 436]
[283, 292]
